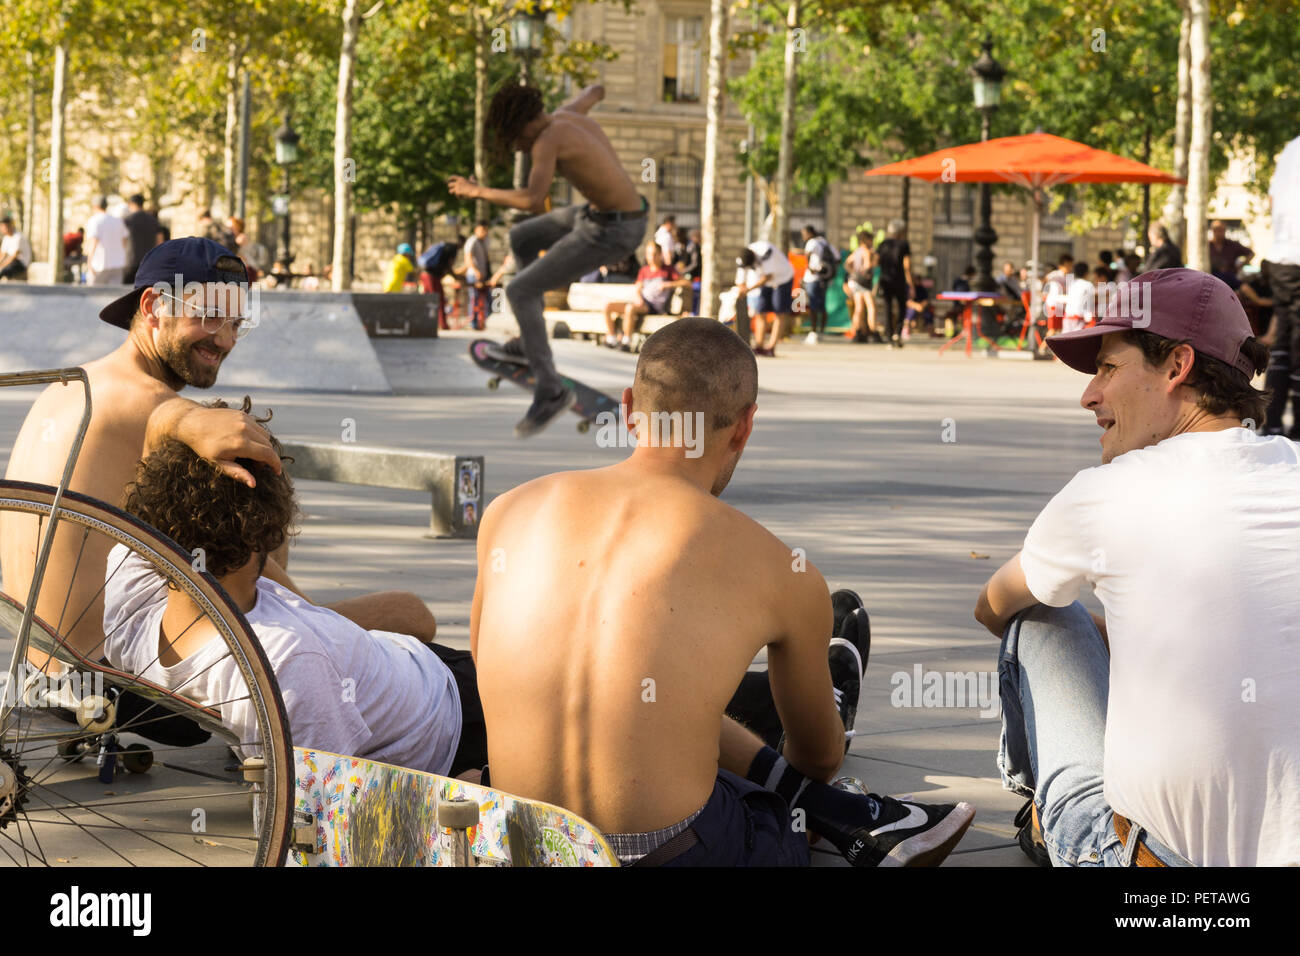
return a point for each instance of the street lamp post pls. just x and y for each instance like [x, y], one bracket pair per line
[527, 27]
[286, 154]
[988, 75]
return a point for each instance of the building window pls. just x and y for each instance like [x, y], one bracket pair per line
[683, 59]
[680, 181]
[956, 204]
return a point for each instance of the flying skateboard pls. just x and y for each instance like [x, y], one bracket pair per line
[587, 403]
[355, 812]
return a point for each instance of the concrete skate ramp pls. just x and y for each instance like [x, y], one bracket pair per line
[304, 340]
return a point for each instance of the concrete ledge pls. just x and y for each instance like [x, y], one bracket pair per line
[303, 340]
[455, 482]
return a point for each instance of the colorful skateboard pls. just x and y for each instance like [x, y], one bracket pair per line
[354, 812]
[587, 403]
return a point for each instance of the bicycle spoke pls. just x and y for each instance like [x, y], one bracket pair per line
[115, 824]
[123, 803]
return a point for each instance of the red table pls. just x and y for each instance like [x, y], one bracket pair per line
[970, 299]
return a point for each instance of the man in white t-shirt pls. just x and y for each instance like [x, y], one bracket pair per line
[15, 250]
[666, 239]
[1168, 731]
[395, 698]
[106, 246]
[768, 288]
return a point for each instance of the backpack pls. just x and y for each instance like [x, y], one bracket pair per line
[437, 260]
[829, 259]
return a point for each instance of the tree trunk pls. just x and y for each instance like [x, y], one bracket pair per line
[57, 108]
[342, 278]
[232, 125]
[29, 171]
[781, 209]
[1173, 209]
[1195, 249]
[480, 109]
[709, 181]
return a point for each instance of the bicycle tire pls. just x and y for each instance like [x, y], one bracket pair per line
[275, 821]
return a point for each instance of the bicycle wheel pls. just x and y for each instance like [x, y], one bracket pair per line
[206, 795]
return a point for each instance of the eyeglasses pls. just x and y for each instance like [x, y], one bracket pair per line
[213, 319]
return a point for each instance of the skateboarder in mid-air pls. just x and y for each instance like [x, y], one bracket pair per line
[576, 239]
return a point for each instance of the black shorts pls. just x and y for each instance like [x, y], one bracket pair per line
[471, 752]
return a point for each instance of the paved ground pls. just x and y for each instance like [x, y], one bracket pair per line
[848, 461]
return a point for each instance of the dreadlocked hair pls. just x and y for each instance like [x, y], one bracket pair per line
[512, 108]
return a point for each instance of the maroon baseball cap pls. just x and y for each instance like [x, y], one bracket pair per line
[1186, 305]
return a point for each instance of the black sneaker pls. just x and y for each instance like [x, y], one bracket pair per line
[905, 833]
[1030, 837]
[511, 351]
[849, 650]
[544, 411]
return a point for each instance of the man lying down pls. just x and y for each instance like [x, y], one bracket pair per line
[389, 697]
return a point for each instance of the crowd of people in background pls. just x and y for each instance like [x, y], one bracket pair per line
[886, 299]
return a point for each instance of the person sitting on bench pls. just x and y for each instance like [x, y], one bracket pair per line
[392, 697]
[651, 296]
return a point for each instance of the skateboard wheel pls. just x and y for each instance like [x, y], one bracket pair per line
[457, 814]
[494, 383]
[137, 758]
[95, 713]
[584, 426]
[70, 748]
[561, 331]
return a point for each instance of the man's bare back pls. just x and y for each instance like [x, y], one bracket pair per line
[634, 602]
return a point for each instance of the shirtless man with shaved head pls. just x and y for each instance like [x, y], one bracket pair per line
[609, 641]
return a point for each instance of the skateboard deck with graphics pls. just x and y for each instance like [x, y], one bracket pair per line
[587, 402]
[355, 812]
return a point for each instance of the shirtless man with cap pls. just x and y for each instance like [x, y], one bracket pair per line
[609, 642]
[576, 239]
[183, 317]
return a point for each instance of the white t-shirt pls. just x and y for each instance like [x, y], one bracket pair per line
[819, 251]
[1285, 193]
[1193, 547]
[18, 245]
[112, 235]
[666, 240]
[771, 262]
[1079, 299]
[372, 694]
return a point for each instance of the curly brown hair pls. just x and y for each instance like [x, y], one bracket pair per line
[512, 108]
[188, 499]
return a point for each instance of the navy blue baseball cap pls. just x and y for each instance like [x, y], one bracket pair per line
[193, 259]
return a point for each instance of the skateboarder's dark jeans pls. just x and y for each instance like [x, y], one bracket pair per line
[575, 243]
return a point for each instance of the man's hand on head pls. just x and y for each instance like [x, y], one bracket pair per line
[223, 435]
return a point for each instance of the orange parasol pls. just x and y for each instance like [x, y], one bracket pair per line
[1037, 161]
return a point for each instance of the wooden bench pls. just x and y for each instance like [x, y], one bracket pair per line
[455, 482]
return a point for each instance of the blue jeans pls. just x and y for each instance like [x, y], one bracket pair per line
[575, 243]
[1054, 677]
